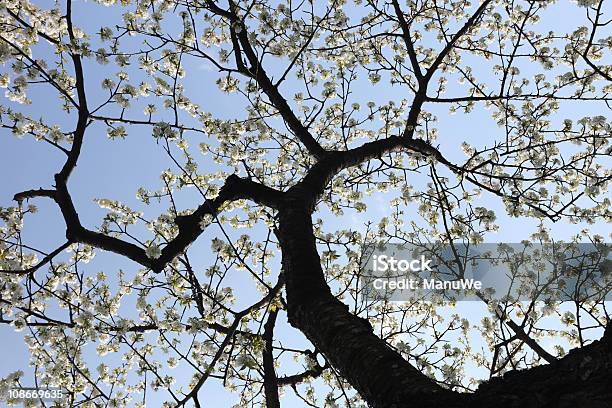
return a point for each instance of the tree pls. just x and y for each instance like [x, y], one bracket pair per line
[313, 138]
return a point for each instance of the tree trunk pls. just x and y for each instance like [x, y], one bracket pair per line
[386, 380]
[377, 372]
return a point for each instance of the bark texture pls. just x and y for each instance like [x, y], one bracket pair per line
[379, 373]
[384, 379]
[582, 379]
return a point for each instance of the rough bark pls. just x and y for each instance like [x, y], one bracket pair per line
[378, 372]
[384, 379]
[582, 379]
[270, 379]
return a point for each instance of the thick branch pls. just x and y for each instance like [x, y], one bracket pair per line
[241, 42]
[449, 46]
[235, 188]
[270, 380]
[585, 54]
[384, 379]
[24, 195]
[313, 372]
[407, 37]
[81, 126]
[310, 188]
[378, 372]
[520, 334]
[580, 379]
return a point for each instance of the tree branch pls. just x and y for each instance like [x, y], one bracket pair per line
[241, 42]
[46, 259]
[407, 37]
[269, 379]
[449, 46]
[379, 373]
[314, 372]
[520, 334]
[235, 188]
